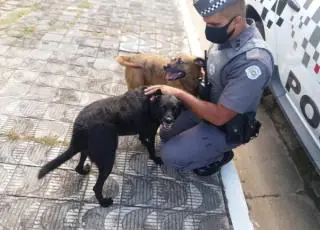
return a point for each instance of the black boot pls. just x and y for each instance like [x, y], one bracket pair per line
[215, 166]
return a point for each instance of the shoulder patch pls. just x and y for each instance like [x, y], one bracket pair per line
[254, 54]
[253, 72]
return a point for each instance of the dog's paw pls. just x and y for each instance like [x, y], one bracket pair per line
[83, 171]
[157, 160]
[106, 202]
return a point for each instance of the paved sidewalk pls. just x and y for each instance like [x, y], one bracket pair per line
[55, 58]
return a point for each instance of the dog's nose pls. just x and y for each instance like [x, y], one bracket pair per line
[168, 120]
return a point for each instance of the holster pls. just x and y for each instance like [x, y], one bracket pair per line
[242, 128]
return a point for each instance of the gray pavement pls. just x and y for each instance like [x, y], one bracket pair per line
[56, 57]
[274, 189]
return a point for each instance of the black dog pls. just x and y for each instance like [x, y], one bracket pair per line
[98, 125]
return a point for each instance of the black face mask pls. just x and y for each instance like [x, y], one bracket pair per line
[218, 35]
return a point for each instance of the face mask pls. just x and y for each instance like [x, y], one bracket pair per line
[218, 35]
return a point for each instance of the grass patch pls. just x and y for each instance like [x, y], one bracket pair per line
[98, 34]
[28, 30]
[85, 5]
[45, 140]
[36, 6]
[23, 32]
[12, 136]
[68, 25]
[65, 143]
[15, 15]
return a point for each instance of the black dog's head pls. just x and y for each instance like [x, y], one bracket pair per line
[165, 108]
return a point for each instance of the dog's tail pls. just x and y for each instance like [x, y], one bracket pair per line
[55, 163]
[125, 61]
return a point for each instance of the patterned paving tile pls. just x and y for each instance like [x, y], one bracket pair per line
[55, 58]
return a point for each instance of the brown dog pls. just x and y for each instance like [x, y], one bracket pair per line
[182, 71]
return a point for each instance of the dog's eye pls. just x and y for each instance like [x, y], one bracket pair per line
[180, 61]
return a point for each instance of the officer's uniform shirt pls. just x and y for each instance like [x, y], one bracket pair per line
[238, 80]
[238, 72]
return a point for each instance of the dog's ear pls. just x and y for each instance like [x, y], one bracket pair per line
[156, 95]
[158, 92]
[199, 61]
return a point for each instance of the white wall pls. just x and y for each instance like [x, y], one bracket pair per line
[199, 26]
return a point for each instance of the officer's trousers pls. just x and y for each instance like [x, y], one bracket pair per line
[192, 143]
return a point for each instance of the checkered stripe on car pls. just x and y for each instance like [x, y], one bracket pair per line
[272, 14]
[306, 17]
[308, 44]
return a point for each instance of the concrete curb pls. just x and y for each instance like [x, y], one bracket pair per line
[237, 206]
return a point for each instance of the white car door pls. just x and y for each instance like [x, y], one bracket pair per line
[297, 48]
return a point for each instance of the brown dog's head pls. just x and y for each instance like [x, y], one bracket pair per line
[183, 65]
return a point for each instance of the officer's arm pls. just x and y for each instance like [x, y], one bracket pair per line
[215, 114]
[244, 88]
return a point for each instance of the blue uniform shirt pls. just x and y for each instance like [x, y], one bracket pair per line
[245, 80]
[240, 70]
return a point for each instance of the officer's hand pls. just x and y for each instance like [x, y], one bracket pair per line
[165, 89]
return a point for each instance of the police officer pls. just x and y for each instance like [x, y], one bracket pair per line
[239, 67]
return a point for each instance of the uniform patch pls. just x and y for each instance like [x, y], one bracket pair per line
[254, 54]
[253, 72]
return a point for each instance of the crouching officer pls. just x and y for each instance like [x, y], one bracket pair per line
[239, 67]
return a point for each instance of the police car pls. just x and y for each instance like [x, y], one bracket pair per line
[292, 30]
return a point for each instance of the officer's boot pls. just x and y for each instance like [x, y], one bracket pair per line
[215, 166]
